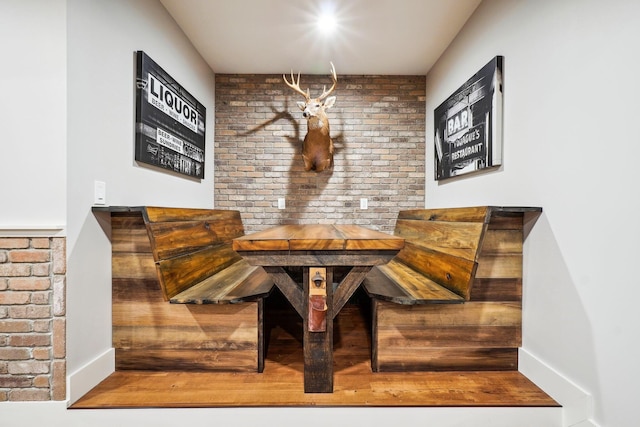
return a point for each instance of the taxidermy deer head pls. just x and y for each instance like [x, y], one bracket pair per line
[317, 148]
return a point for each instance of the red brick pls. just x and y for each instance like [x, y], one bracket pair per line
[41, 298]
[11, 381]
[29, 311]
[30, 283]
[42, 353]
[59, 380]
[59, 255]
[15, 270]
[14, 298]
[42, 325]
[15, 326]
[41, 269]
[59, 338]
[41, 381]
[30, 394]
[4, 396]
[40, 243]
[395, 107]
[29, 367]
[30, 255]
[13, 243]
[12, 353]
[29, 340]
[59, 296]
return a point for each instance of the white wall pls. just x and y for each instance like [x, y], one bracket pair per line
[570, 146]
[102, 39]
[33, 115]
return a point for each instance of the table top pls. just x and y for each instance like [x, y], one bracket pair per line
[318, 237]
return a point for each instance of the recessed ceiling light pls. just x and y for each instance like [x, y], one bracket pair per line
[327, 23]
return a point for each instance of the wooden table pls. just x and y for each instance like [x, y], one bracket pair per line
[318, 249]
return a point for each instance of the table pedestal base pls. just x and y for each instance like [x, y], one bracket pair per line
[318, 346]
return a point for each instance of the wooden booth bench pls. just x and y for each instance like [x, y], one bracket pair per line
[452, 297]
[177, 285]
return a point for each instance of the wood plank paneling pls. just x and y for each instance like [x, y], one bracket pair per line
[499, 241]
[474, 314]
[164, 214]
[129, 234]
[449, 271]
[455, 238]
[150, 333]
[471, 214]
[186, 360]
[318, 237]
[134, 265]
[471, 336]
[451, 359]
[144, 324]
[182, 272]
[491, 289]
[175, 238]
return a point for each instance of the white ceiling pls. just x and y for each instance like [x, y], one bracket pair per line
[385, 37]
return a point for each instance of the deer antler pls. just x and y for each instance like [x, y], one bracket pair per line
[295, 85]
[326, 92]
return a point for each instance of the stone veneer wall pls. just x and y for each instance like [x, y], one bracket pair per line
[378, 127]
[32, 318]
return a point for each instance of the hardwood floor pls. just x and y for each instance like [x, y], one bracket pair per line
[281, 383]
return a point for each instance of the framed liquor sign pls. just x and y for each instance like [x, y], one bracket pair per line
[468, 125]
[170, 122]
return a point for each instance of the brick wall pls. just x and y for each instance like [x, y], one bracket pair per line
[378, 127]
[32, 318]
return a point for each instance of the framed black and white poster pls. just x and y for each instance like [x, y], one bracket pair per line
[170, 122]
[468, 125]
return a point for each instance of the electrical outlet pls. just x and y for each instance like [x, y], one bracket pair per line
[99, 192]
[281, 203]
[364, 203]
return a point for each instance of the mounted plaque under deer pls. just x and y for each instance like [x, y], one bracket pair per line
[317, 148]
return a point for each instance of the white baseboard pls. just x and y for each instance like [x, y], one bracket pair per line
[87, 377]
[55, 414]
[577, 404]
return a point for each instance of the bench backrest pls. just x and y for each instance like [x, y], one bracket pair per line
[444, 244]
[190, 245]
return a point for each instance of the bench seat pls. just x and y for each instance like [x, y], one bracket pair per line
[452, 297]
[237, 283]
[194, 258]
[399, 283]
[440, 258]
[182, 298]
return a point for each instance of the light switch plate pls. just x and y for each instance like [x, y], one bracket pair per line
[99, 192]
